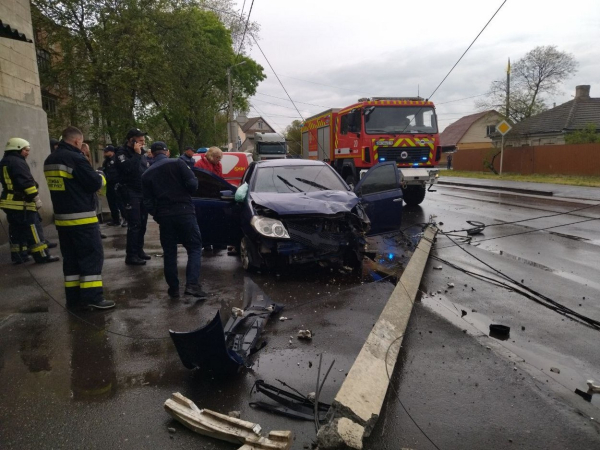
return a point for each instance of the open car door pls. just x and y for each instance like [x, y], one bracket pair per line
[381, 195]
[217, 212]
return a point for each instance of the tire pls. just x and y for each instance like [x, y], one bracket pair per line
[246, 255]
[413, 195]
[350, 181]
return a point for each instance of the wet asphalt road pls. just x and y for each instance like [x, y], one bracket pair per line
[72, 384]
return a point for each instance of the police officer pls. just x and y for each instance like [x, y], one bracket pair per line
[168, 187]
[20, 201]
[131, 164]
[73, 184]
[112, 178]
[187, 156]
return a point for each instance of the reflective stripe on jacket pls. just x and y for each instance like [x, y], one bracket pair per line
[73, 184]
[18, 186]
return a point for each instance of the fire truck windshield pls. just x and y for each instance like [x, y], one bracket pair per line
[400, 119]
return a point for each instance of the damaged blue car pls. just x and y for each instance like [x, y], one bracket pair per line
[298, 212]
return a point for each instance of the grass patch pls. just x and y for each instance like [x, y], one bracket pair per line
[536, 178]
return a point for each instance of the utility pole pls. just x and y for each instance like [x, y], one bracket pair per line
[230, 125]
[507, 111]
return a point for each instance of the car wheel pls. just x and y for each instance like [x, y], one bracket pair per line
[350, 181]
[413, 195]
[246, 254]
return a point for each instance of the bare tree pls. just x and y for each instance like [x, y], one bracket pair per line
[539, 73]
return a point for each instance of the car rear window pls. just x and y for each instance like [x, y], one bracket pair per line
[283, 180]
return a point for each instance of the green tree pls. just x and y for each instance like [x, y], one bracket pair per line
[538, 74]
[293, 134]
[155, 63]
[588, 135]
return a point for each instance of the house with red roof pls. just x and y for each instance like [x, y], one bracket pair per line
[472, 131]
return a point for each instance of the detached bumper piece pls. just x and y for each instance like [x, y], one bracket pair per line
[227, 349]
[289, 404]
[220, 426]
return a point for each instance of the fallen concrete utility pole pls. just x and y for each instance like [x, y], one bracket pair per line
[226, 428]
[358, 403]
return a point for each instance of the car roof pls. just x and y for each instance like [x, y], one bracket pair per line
[290, 162]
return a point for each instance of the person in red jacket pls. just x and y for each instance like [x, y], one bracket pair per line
[211, 161]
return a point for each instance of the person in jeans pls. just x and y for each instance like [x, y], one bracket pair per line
[167, 188]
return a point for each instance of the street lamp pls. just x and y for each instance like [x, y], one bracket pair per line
[230, 130]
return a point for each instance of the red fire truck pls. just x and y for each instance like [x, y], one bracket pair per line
[355, 138]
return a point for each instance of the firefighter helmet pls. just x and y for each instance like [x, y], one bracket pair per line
[16, 144]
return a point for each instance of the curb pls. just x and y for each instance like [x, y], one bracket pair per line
[358, 403]
[499, 188]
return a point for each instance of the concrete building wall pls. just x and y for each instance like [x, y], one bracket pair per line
[21, 113]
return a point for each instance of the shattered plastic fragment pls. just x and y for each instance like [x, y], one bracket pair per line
[450, 285]
[305, 334]
[283, 318]
[593, 387]
[237, 312]
[438, 267]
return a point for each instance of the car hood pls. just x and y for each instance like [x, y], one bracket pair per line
[317, 202]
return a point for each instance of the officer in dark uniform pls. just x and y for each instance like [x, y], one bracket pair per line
[168, 186]
[111, 173]
[187, 156]
[131, 164]
[73, 184]
[20, 201]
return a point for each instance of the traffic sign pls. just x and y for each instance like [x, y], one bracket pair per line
[503, 127]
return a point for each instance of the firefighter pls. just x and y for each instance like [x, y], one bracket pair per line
[73, 184]
[168, 187]
[20, 201]
[131, 164]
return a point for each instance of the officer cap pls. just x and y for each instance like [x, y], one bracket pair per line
[16, 144]
[158, 146]
[109, 148]
[135, 132]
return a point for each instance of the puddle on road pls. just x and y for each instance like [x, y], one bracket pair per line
[568, 377]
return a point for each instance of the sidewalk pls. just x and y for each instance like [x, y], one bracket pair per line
[546, 189]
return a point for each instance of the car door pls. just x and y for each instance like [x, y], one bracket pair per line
[381, 195]
[218, 217]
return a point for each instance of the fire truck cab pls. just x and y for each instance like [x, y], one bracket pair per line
[399, 129]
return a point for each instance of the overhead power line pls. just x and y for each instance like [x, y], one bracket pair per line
[287, 100]
[468, 48]
[246, 27]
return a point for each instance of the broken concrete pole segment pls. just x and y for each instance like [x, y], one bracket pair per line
[225, 428]
[358, 403]
[227, 349]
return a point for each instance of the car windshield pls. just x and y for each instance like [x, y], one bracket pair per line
[286, 179]
[400, 119]
[275, 148]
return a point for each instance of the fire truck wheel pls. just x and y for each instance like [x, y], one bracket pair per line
[413, 195]
[350, 181]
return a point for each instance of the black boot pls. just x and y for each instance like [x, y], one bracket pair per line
[134, 261]
[144, 255]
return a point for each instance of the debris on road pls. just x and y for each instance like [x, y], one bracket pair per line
[219, 426]
[593, 387]
[283, 318]
[305, 334]
[289, 404]
[450, 285]
[478, 227]
[554, 369]
[501, 332]
[438, 267]
[172, 430]
[226, 349]
[463, 313]
[237, 312]
[584, 395]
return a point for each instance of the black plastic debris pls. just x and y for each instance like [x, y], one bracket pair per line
[501, 332]
[227, 349]
[288, 404]
[478, 227]
[584, 395]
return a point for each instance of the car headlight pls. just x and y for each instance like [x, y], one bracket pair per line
[272, 228]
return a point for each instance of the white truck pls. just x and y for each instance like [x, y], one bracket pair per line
[269, 146]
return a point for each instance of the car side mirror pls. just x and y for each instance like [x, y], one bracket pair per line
[227, 195]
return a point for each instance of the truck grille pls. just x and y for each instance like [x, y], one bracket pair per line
[415, 154]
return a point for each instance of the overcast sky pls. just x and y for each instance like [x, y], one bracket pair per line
[331, 52]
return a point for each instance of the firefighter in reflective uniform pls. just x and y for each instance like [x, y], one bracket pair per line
[73, 184]
[20, 201]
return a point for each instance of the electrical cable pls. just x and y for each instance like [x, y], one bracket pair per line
[245, 28]
[534, 218]
[287, 100]
[558, 306]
